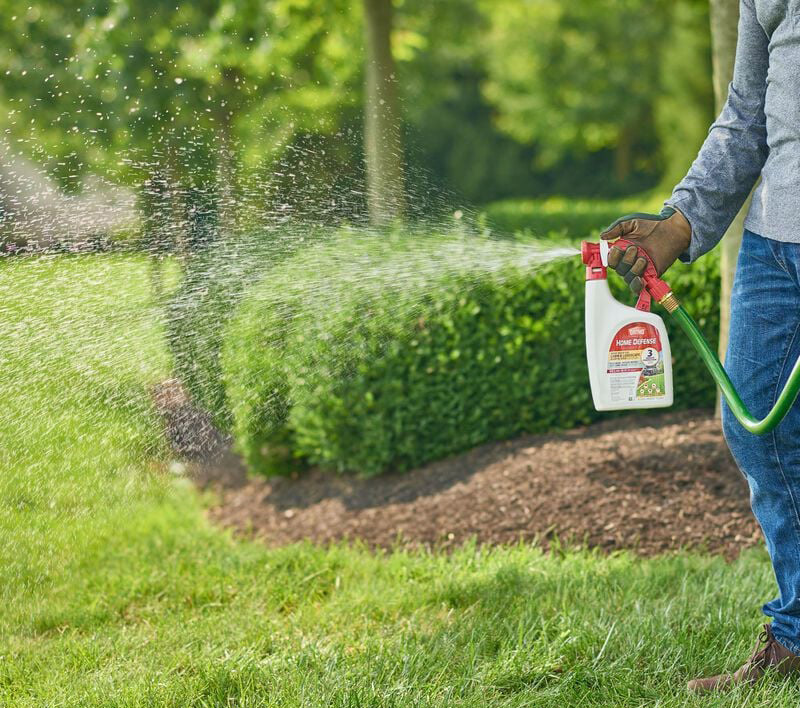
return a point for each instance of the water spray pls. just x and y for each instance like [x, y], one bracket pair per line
[627, 348]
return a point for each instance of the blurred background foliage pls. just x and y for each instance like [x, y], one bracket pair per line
[500, 98]
[248, 124]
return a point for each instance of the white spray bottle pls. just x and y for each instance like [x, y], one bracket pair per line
[627, 348]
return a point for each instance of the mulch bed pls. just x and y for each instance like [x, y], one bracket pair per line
[647, 483]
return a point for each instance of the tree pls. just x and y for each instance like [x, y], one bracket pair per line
[577, 77]
[382, 122]
[182, 95]
[724, 31]
[685, 107]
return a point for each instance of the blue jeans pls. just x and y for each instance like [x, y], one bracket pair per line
[763, 347]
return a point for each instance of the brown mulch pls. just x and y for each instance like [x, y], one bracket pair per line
[648, 483]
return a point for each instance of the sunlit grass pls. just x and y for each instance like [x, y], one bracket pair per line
[116, 592]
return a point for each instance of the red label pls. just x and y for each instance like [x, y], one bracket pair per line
[637, 335]
[635, 364]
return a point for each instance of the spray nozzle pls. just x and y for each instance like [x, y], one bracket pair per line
[604, 249]
[592, 256]
[595, 254]
[595, 257]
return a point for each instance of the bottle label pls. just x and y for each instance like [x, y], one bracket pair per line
[636, 364]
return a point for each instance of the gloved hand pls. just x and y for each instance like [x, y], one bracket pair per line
[663, 237]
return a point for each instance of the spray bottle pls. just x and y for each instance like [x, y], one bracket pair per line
[627, 348]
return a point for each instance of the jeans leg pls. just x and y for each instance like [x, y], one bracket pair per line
[764, 344]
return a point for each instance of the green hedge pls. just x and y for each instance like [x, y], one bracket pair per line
[213, 283]
[354, 368]
[571, 218]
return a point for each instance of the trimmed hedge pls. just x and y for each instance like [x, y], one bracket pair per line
[213, 283]
[571, 218]
[335, 360]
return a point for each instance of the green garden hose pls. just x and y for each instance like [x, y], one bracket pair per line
[738, 408]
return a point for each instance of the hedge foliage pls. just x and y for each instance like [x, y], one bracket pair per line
[381, 354]
[198, 313]
[570, 218]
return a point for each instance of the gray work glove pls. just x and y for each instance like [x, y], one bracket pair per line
[662, 236]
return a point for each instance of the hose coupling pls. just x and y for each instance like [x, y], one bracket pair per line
[669, 302]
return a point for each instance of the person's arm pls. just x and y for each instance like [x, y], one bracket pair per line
[730, 161]
[705, 203]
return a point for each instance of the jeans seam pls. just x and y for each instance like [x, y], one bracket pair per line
[775, 248]
[774, 251]
[775, 441]
[778, 256]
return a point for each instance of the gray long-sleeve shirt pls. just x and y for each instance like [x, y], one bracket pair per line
[756, 134]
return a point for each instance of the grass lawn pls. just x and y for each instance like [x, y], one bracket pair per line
[115, 591]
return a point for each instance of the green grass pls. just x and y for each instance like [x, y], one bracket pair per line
[116, 592]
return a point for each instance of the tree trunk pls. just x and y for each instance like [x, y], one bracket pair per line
[382, 126]
[157, 205]
[623, 155]
[724, 31]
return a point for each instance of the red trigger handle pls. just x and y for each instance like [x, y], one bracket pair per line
[654, 287]
[643, 303]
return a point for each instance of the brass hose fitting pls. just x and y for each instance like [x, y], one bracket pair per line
[669, 302]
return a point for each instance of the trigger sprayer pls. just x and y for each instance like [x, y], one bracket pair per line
[627, 348]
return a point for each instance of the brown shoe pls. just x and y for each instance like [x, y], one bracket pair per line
[771, 655]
